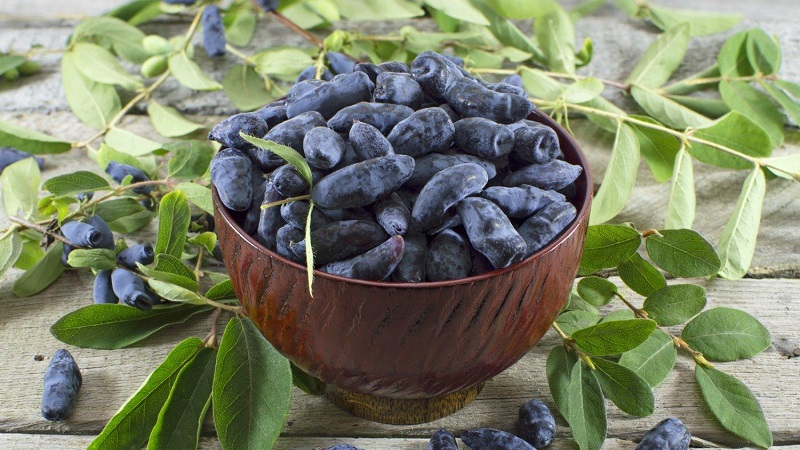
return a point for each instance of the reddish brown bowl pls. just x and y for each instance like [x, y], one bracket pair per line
[407, 340]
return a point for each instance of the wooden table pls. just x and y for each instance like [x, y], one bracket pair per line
[770, 292]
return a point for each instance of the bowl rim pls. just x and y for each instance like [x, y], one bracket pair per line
[582, 210]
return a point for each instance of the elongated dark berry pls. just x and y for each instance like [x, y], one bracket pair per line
[62, 381]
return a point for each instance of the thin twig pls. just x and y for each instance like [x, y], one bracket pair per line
[570, 344]
[197, 273]
[42, 230]
[233, 309]
[297, 29]
[286, 200]
[211, 338]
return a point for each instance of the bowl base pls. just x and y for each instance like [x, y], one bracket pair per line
[398, 411]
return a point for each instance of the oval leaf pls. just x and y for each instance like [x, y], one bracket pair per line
[173, 223]
[763, 52]
[131, 425]
[700, 23]
[615, 337]
[181, 419]
[756, 106]
[607, 246]
[572, 321]
[221, 290]
[733, 404]
[96, 258]
[738, 241]
[735, 132]
[30, 141]
[76, 183]
[587, 409]
[288, 154]
[667, 111]
[175, 293]
[625, 388]
[583, 90]
[596, 291]
[98, 64]
[661, 58]
[657, 147]
[189, 74]
[682, 202]
[640, 275]
[110, 327]
[252, 388]
[556, 36]
[726, 334]
[169, 122]
[653, 360]
[683, 253]
[42, 274]
[559, 368]
[673, 305]
[246, 89]
[20, 182]
[93, 103]
[130, 143]
[619, 178]
[10, 249]
[171, 270]
[198, 195]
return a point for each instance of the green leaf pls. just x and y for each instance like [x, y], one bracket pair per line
[572, 321]
[107, 154]
[583, 90]
[709, 107]
[667, 111]
[681, 205]
[459, 9]
[789, 105]
[171, 270]
[785, 166]
[587, 409]
[240, 27]
[738, 241]
[631, 8]
[540, 85]
[175, 293]
[288, 154]
[10, 250]
[506, 32]
[246, 89]
[206, 239]
[529, 9]
[763, 52]
[585, 8]
[252, 388]
[125, 39]
[131, 425]
[701, 23]
[675, 304]
[222, 290]
[30, 141]
[756, 106]
[99, 65]
[130, 143]
[189, 74]
[181, 419]
[109, 327]
[657, 147]
[661, 58]
[93, 103]
[307, 383]
[556, 35]
[732, 58]
[733, 404]
[559, 368]
[173, 224]
[608, 245]
[283, 63]
[625, 388]
[371, 10]
[619, 178]
[596, 291]
[76, 183]
[640, 275]
[726, 334]
[124, 215]
[691, 84]
[20, 183]
[576, 303]
[137, 11]
[683, 253]
[607, 123]
[734, 131]
[621, 314]
[10, 62]
[191, 159]
[96, 258]
[653, 360]
[612, 338]
[198, 195]
[168, 122]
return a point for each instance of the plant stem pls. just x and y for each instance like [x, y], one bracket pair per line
[197, 273]
[42, 230]
[570, 344]
[709, 80]
[569, 76]
[235, 52]
[640, 313]
[233, 309]
[297, 29]
[286, 200]
[211, 338]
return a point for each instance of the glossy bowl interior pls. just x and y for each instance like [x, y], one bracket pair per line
[407, 340]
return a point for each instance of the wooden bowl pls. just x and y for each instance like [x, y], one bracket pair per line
[406, 352]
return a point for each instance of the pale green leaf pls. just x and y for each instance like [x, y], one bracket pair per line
[619, 178]
[755, 105]
[710, 107]
[653, 360]
[675, 304]
[732, 131]
[175, 293]
[10, 62]
[726, 334]
[625, 388]
[583, 90]
[30, 141]
[125, 38]
[607, 123]
[173, 223]
[130, 143]
[738, 241]
[288, 154]
[661, 58]
[372, 10]
[168, 122]
[172, 270]
[785, 166]
[506, 32]
[239, 27]
[540, 85]
[529, 9]
[640, 275]
[285, 63]
[732, 58]
[99, 65]
[191, 159]
[189, 74]
[657, 147]
[198, 195]
[763, 52]
[245, 88]
[93, 103]
[790, 105]
[681, 205]
[596, 291]
[559, 368]
[587, 409]
[572, 321]
[701, 23]
[683, 253]
[106, 154]
[131, 425]
[459, 9]
[10, 250]
[252, 388]
[556, 36]
[667, 111]
[207, 239]
[733, 404]
[20, 182]
[96, 258]
[76, 183]
[42, 274]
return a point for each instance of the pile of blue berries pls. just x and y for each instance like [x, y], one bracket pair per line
[420, 173]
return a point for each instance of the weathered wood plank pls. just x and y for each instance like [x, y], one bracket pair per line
[110, 377]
